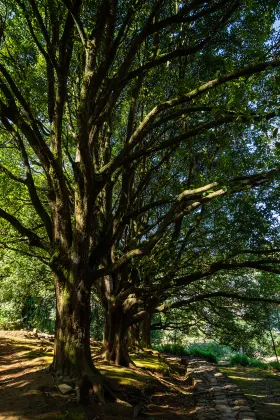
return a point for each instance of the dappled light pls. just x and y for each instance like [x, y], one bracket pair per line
[139, 209]
[260, 387]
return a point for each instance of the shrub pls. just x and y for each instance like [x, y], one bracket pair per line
[219, 350]
[239, 359]
[205, 354]
[243, 360]
[258, 364]
[177, 349]
[275, 365]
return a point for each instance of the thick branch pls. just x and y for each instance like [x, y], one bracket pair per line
[34, 240]
[197, 298]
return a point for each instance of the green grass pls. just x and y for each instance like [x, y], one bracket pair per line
[205, 354]
[243, 360]
[275, 365]
[180, 350]
[177, 349]
[150, 362]
[261, 388]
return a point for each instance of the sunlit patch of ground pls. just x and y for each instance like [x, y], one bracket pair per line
[27, 390]
[261, 388]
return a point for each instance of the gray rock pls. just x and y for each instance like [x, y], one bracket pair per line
[65, 389]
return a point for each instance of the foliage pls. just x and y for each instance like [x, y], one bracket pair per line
[180, 350]
[26, 293]
[260, 387]
[205, 354]
[140, 158]
[176, 349]
[218, 350]
[275, 365]
[243, 360]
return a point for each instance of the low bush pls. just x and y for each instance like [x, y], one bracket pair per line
[239, 359]
[243, 360]
[180, 350]
[275, 365]
[205, 354]
[219, 350]
[258, 364]
[177, 349]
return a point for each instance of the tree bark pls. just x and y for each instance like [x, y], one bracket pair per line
[146, 332]
[134, 337]
[72, 355]
[115, 338]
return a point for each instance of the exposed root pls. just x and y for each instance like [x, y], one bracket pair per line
[90, 381]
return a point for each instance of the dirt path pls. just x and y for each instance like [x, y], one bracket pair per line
[28, 392]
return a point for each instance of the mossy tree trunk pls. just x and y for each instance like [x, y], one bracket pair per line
[72, 354]
[134, 337]
[146, 332]
[115, 340]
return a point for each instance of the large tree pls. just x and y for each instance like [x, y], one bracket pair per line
[119, 121]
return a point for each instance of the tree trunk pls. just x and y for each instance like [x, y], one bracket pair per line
[133, 337]
[115, 338]
[146, 332]
[72, 355]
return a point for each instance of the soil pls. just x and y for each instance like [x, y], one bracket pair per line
[28, 391]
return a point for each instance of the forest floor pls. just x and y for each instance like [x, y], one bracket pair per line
[261, 388]
[156, 390]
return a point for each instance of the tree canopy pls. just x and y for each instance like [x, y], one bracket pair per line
[139, 154]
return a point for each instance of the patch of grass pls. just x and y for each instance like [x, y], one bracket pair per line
[150, 362]
[124, 376]
[261, 388]
[177, 349]
[239, 359]
[274, 365]
[33, 354]
[219, 350]
[180, 350]
[243, 360]
[208, 355]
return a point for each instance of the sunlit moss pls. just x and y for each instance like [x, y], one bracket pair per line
[152, 363]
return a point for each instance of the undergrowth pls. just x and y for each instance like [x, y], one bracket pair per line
[180, 350]
[243, 360]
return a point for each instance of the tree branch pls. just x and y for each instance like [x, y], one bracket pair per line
[34, 240]
[197, 298]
